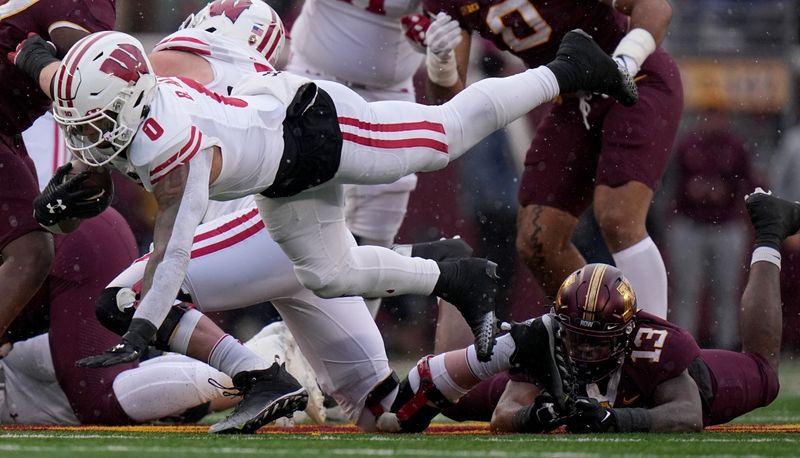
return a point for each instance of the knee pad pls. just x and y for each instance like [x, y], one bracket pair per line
[337, 286]
[114, 309]
[164, 333]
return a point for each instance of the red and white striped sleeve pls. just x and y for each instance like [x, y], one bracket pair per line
[185, 40]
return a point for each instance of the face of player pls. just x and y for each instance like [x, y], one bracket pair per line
[94, 134]
[585, 348]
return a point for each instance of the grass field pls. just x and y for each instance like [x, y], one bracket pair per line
[772, 431]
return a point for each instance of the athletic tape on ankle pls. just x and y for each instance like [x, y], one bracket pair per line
[768, 254]
[445, 73]
[637, 44]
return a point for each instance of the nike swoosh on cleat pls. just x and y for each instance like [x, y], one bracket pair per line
[631, 400]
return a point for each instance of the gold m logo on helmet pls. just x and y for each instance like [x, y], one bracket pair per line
[564, 286]
[628, 297]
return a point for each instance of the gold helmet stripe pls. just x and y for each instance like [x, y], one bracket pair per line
[593, 292]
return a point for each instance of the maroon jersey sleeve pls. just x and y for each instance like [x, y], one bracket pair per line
[21, 101]
[660, 351]
[91, 15]
[18, 187]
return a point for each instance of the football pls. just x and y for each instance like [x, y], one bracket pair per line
[100, 178]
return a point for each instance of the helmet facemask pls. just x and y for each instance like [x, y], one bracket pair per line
[102, 93]
[596, 306]
[596, 355]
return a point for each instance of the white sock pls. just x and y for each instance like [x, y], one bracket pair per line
[231, 357]
[441, 379]
[166, 386]
[179, 342]
[642, 264]
[502, 351]
[767, 254]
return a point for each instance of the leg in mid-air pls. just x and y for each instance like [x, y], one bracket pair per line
[760, 317]
[746, 380]
[384, 141]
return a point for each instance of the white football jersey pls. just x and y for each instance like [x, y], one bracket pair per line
[357, 41]
[186, 117]
[229, 61]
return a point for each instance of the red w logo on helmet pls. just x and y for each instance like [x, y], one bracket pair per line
[230, 8]
[126, 62]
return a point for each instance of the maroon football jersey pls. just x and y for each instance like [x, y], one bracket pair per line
[660, 351]
[21, 101]
[533, 29]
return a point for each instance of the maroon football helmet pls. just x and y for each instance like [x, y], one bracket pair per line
[597, 307]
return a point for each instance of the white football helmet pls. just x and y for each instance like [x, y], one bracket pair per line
[249, 21]
[102, 92]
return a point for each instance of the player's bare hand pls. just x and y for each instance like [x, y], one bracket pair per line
[5, 349]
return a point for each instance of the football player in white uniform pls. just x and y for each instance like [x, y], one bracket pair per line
[114, 112]
[361, 44]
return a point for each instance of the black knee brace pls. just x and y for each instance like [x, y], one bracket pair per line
[111, 317]
[109, 314]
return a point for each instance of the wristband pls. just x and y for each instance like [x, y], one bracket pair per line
[768, 254]
[632, 420]
[637, 45]
[442, 73]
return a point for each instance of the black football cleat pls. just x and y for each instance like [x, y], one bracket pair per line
[267, 395]
[773, 218]
[439, 250]
[470, 284]
[580, 65]
[540, 353]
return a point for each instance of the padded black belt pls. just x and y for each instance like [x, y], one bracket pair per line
[312, 143]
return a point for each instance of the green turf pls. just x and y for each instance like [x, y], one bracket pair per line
[785, 409]
[89, 445]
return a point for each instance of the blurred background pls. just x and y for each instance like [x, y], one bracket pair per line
[739, 61]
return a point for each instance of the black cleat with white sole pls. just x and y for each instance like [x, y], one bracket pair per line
[581, 65]
[540, 353]
[470, 284]
[267, 395]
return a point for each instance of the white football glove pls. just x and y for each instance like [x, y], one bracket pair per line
[442, 37]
